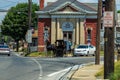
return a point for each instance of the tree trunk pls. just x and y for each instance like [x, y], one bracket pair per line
[17, 46]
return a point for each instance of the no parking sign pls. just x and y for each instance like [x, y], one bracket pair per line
[108, 19]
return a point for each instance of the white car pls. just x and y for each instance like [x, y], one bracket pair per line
[84, 49]
[4, 49]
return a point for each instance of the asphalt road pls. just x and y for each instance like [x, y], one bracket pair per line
[17, 68]
[21, 68]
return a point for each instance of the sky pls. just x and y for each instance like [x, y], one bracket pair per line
[6, 4]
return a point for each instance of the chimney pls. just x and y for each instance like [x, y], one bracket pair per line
[41, 4]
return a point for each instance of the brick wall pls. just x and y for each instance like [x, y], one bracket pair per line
[41, 24]
[92, 24]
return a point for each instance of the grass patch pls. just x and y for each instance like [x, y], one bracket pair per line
[113, 76]
[100, 73]
[34, 54]
[116, 74]
[41, 54]
[101, 53]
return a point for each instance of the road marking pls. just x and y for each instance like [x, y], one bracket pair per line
[67, 69]
[75, 67]
[58, 72]
[18, 55]
[40, 67]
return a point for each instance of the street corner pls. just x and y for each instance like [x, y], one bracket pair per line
[86, 72]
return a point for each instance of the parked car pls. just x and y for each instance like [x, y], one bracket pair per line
[84, 49]
[4, 49]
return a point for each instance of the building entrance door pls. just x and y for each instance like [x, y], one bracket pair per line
[67, 35]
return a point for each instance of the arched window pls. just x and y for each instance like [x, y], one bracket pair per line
[89, 34]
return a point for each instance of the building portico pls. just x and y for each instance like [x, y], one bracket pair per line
[67, 22]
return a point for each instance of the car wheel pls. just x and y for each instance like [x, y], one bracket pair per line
[94, 53]
[8, 54]
[87, 53]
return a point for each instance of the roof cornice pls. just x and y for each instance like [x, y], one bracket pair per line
[73, 5]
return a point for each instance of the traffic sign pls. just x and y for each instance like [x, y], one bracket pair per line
[29, 36]
[108, 19]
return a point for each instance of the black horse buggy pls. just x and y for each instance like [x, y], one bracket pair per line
[60, 48]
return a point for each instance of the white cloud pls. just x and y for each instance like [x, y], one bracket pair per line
[2, 15]
[89, 1]
[46, 1]
[78, 0]
[118, 2]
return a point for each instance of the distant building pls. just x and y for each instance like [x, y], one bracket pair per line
[67, 20]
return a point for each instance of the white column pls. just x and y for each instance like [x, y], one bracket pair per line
[77, 31]
[61, 33]
[59, 30]
[74, 37]
[82, 32]
[53, 31]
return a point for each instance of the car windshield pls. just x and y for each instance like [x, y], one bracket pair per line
[82, 46]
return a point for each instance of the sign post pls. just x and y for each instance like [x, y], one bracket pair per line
[29, 39]
[109, 24]
[29, 36]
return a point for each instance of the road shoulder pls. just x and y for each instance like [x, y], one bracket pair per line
[86, 72]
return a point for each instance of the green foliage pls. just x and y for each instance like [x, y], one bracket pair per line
[116, 74]
[15, 23]
[118, 11]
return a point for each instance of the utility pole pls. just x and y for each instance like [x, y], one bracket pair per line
[109, 41]
[29, 22]
[99, 15]
[29, 11]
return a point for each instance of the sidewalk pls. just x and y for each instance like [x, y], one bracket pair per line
[87, 72]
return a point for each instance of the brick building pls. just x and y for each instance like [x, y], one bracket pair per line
[67, 20]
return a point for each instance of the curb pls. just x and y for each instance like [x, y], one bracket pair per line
[72, 77]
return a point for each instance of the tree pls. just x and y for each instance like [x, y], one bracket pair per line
[118, 11]
[15, 23]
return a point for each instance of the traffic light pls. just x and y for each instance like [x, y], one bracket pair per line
[103, 3]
